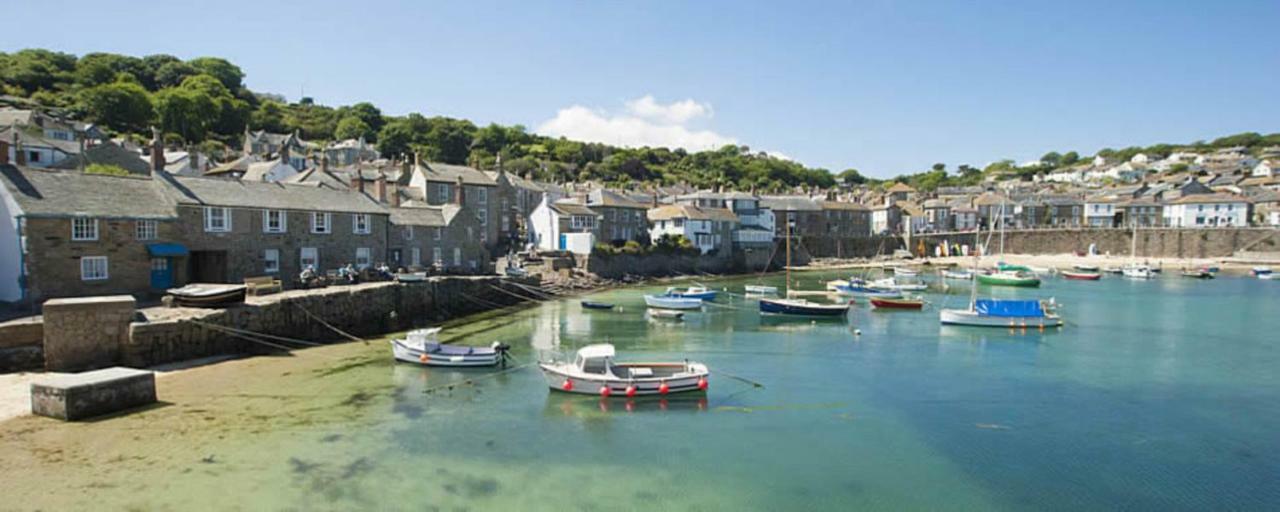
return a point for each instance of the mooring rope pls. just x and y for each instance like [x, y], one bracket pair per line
[258, 334]
[326, 324]
[516, 295]
[471, 381]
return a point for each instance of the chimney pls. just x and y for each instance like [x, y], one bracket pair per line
[416, 162]
[381, 187]
[459, 192]
[157, 152]
[394, 198]
[405, 169]
[19, 156]
[284, 152]
[247, 148]
[83, 157]
[324, 162]
[4, 152]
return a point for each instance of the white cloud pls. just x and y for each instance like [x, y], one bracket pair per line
[645, 123]
[679, 112]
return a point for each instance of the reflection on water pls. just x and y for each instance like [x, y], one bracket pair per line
[1157, 395]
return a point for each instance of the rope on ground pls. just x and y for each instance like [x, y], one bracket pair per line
[516, 295]
[250, 337]
[257, 334]
[326, 324]
[536, 291]
[473, 380]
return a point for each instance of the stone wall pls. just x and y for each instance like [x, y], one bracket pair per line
[1155, 243]
[22, 345]
[53, 261]
[86, 332]
[615, 266]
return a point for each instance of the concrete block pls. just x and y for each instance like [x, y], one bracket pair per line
[89, 394]
[86, 332]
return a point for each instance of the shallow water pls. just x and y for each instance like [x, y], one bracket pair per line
[1158, 395]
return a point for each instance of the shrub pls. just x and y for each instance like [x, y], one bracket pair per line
[110, 170]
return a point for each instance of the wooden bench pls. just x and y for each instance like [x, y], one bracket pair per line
[263, 285]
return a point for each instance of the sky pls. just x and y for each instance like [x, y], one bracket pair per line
[886, 87]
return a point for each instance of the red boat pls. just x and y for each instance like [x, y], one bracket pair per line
[1082, 276]
[885, 303]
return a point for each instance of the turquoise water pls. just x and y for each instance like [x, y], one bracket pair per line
[1158, 395]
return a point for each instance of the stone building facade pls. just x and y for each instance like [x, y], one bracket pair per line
[444, 238]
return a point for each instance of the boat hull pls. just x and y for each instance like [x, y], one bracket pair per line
[586, 304]
[447, 355]
[208, 296]
[1082, 276]
[963, 276]
[866, 293]
[662, 302]
[760, 289]
[686, 382]
[973, 319]
[896, 303]
[796, 308]
[998, 280]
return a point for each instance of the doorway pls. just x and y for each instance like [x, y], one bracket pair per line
[208, 266]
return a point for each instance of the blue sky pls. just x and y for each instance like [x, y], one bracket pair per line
[886, 87]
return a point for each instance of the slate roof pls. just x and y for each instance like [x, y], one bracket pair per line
[64, 193]
[266, 195]
[609, 198]
[568, 208]
[900, 187]
[1210, 199]
[449, 173]
[790, 204]
[844, 205]
[432, 216]
[238, 165]
[685, 211]
[257, 171]
[107, 153]
[315, 176]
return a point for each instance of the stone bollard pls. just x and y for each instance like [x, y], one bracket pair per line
[86, 332]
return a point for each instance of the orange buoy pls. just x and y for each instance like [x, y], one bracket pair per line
[423, 359]
[702, 383]
[567, 386]
[663, 388]
[631, 391]
[605, 392]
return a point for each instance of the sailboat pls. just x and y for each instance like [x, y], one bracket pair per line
[799, 307]
[1001, 312]
[1134, 269]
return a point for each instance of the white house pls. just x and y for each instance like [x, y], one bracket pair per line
[563, 226]
[707, 228]
[965, 218]
[1266, 169]
[1100, 211]
[1207, 210]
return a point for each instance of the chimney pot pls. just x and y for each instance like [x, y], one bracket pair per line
[380, 186]
[459, 192]
[4, 152]
[157, 151]
[19, 155]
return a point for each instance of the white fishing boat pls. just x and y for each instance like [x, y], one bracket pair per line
[1261, 272]
[961, 275]
[759, 289]
[905, 272]
[594, 371]
[692, 292]
[670, 302]
[666, 314]
[1133, 269]
[890, 283]
[421, 347]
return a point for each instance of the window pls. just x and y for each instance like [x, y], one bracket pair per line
[93, 268]
[309, 257]
[271, 261]
[362, 257]
[442, 192]
[83, 229]
[583, 222]
[33, 156]
[677, 223]
[457, 257]
[415, 257]
[217, 220]
[145, 230]
[274, 221]
[436, 232]
[360, 224]
[408, 232]
[483, 215]
[436, 257]
[320, 222]
[482, 195]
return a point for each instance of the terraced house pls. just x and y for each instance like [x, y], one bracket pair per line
[438, 184]
[621, 218]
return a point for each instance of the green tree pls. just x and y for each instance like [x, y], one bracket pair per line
[366, 112]
[122, 106]
[101, 68]
[32, 70]
[172, 74]
[186, 112]
[269, 116]
[229, 74]
[352, 127]
[851, 177]
[1051, 159]
[1070, 158]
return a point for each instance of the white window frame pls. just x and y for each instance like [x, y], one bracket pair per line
[213, 227]
[84, 229]
[437, 232]
[361, 224]
[146, 230]
[408, 232]
[482, 195]
[457, 256]
[283, 224]
[315, 258]
[442, 190]
[437, 256]
[271, 261]
[321, 227]
[415, 257]
[89, 270]
[364, 257]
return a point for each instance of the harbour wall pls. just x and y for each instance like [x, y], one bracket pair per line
[615, 266]
[1151, 243]
[363, 311]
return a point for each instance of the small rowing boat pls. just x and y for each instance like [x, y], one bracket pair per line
[890, 283]
[905, 272]
[593, 371]
[692, 292]
[1261, 272]
[759, 289]
[666, 314]
[208, 295]
[587, 304]
[670, 302]
[880, 303]
[957, 274]
[1200, 273]
[1085, 267]
[1009, 267]
[421, 347]
[1113, 270]
[1081, 276]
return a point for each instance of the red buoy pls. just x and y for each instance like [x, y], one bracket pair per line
[663, 388]
[702, 383]
[631, 391]
[605, 392]
[567, 386]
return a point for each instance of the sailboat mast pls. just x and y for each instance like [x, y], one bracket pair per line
[1002, 227]
[789, 254]
[973, 277]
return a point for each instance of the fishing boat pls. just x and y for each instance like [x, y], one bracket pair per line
[692, 292]
[861, 289]
[208, 295]
[1004, 313]
[1261, 272]
[1081, 276]
[1113, 270]
[667, 314]
[1001, 312]
[759, 289]
[905, 272]
[1009, 267]
[883, 303]
[1085, 267]
[1133, 269]
[587, 304]
[1197, 273]
[890, 283]
[669, 302]
[593, 371]
[957, 274]
[421, 347]
[799, 307]
[1009, 278]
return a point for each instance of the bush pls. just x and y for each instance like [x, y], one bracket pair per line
[109, 170]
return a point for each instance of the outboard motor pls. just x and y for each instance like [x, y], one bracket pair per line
[501, 348]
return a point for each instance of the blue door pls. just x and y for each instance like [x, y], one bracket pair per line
[564, 242]
[161, 273]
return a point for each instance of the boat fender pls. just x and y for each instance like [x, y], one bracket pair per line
[423, 359]
[702, 383]
[663, 388]
[605, 391]
[631, 391]
[857, 332]
[567, 386]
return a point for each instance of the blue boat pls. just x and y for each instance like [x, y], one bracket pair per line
[692, 292]
[853, 290]
[586, 304]
[801, 307]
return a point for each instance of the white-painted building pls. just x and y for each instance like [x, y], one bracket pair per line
[1266, 169]
[1100, 211]
[561, 226]
[1207, 210]
[707, 228]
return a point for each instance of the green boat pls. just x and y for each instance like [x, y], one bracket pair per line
[1009, 267]
[1009, 278]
